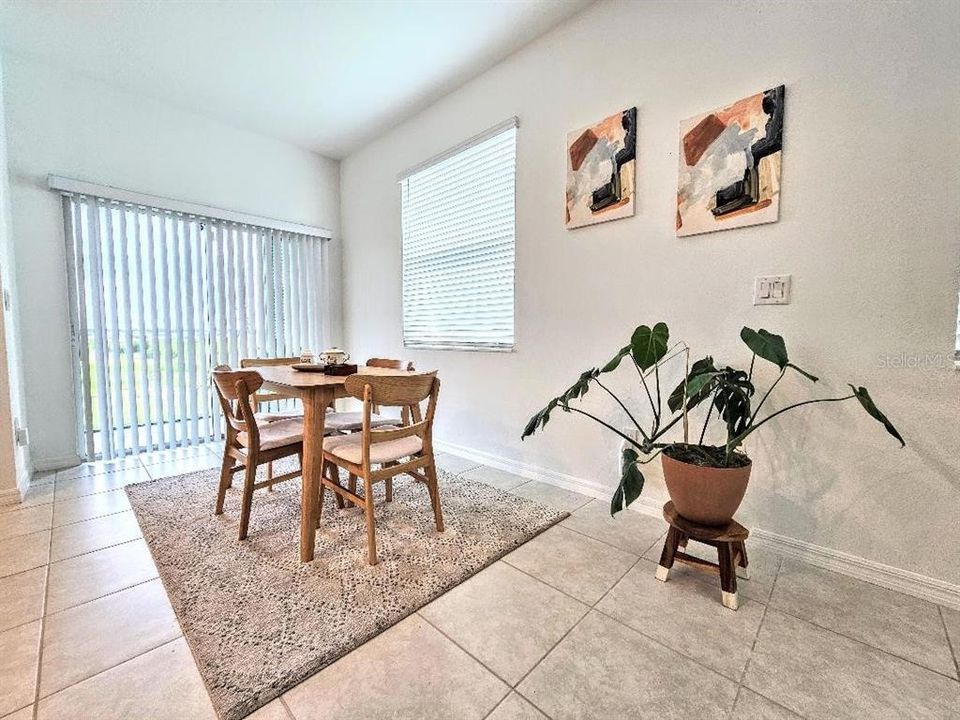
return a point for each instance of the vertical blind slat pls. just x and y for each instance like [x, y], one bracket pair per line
[126, 303]
[114, 376]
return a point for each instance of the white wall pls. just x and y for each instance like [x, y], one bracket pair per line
[14, 461]
[63, 124]
[868, 228]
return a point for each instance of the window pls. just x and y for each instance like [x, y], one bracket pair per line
[159, 298]
[458, 225]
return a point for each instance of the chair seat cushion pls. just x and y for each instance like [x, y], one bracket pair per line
[352, 421]
[350, 447]
[276, 434]
[267, 417]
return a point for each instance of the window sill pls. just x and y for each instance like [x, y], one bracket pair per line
[466, 348]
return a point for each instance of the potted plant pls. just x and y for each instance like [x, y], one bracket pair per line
[705, 482]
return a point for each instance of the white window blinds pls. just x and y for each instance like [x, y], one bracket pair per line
[458, 222]
[159, 298]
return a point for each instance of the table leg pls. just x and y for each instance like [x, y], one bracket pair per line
[315, 402]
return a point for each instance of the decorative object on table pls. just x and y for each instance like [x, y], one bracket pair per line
[730, 165]
[334, 356]
[341, 369]
[258, 622]
[706, 482]
[306, 356]
[729, 540]
[309, 367]
[601, 170]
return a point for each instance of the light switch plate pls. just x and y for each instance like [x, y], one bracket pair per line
[772, 290]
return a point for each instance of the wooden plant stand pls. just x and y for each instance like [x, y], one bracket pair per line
[729, 542]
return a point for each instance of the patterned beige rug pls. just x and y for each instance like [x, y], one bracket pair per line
[259, 621]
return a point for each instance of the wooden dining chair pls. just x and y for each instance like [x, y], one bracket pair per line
[248, 444]
[263, 397]
[375, 455]
[352, 421]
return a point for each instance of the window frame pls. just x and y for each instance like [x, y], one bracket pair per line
[511, 123]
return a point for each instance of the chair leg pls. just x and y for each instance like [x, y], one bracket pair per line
[226, 480]
[434, 489]
[388, 485]
[371, 530]
[323, 488]
[352, 487]
[270, 476]
[250, 476]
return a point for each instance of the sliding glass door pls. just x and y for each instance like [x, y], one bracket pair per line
[159, 299]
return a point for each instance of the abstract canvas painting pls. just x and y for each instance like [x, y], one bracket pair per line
[730, 165]
[601, 170]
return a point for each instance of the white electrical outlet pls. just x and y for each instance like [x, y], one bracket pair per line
[772, 290]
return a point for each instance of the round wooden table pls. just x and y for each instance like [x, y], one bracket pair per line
[729, 540]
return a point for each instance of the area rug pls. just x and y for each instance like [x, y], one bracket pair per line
[259, 621]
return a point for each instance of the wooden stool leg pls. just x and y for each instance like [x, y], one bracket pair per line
[742, 563]
[669, 552]
[728, 575]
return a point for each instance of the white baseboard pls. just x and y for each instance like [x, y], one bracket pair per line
[14, 496]
[933, 590]
[59, 463]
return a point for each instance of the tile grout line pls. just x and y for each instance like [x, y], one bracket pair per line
[43, 627]
[628, 627]
[953, 650]
[811, 623]
[563, 524]
[101, 597]
[472, 656]
[283, 703]
[494, 708]
[753, 644]
[540, 662]
[108, 669]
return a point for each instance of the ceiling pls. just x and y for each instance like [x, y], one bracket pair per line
[325, 75]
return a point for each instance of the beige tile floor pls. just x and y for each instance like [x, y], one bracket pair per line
[571, 625]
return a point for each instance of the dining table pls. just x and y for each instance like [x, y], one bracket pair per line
[316, 391]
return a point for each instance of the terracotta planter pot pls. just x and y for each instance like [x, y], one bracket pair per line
[705, 495]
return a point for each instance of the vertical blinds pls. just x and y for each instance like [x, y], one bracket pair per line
[458, 246]
[159, 298]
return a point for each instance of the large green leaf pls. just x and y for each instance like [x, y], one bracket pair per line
[539, 420]
[698, 385]
[864, 397]
[766, 345]
[649, 346]
[631, 484]
[615, 362]
[580, 387]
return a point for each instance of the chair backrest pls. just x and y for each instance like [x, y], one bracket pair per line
[271, 396]
[390, 364]
[392, 390]
[237, 386]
